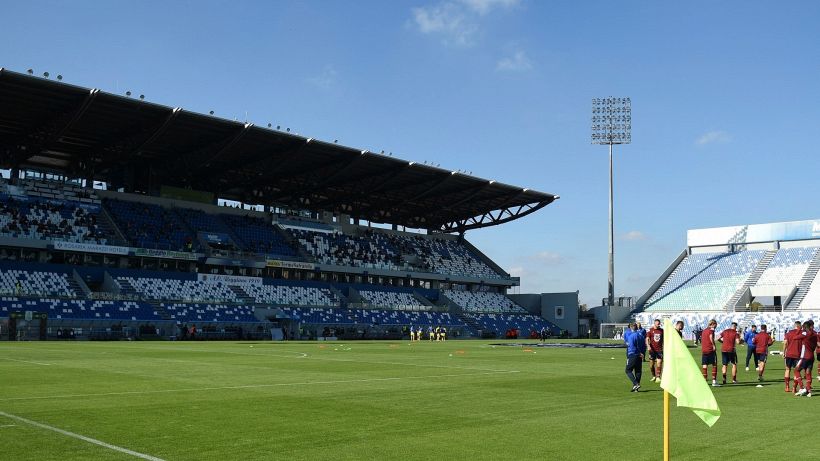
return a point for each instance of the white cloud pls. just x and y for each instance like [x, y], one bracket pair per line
[634, 236]
[483, 7]
[456, 21]
[447, 20]
[518, 62]
[712, 137]
[326, 79]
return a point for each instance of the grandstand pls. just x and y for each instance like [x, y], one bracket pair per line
[313, 236]
[763, 273]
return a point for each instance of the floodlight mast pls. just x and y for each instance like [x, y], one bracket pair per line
[611, 124]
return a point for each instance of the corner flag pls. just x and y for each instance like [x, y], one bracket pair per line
[682, 378]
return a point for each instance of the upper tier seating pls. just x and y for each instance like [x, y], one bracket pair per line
[48, 220]
[36, 283]
[258, 236]
[392, 300]
[787, 267]
[381, 250]
[482, 301]
[373, 250]
[704, 281]
[450, 257]
[58, 191]
[150, 226]
[812, 299]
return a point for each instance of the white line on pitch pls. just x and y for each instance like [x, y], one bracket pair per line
[250, 386]
[7, 425]
[81, 437]
[25, 361]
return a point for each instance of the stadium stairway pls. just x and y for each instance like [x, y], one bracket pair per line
[108, 225]
[159, 310]
[751, 280]
[424, 301]
[805, 282]
[77, 286]
[294, 243]
[183, 223]
[126, 288]
[473, 324]
[242, 295]
[343, 300]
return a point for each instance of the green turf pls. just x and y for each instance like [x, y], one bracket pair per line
[366, 400]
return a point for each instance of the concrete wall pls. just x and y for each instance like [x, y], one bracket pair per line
[546, 305]
[612, 314]
[554, 306]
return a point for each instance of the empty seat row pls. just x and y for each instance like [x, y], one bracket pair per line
[482, 301]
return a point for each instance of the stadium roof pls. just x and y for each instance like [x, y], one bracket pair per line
[50, 126]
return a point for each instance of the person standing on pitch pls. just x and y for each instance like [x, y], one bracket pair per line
[792, 342]
[730, 339]
[762, 342]
[748, 337]
[641, 331]
[634, 356]
[817, 350]
[806, 339]
[708, 354]
[679, 328]
[654, 343]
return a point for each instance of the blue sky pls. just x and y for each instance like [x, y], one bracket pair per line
[724, 99]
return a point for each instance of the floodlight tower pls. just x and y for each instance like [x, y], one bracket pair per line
[611, 124]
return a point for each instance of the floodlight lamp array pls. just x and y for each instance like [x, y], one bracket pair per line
[611, 120]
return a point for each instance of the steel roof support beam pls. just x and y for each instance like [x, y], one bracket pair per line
[487, 219]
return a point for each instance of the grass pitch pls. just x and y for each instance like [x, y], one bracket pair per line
[365, 400]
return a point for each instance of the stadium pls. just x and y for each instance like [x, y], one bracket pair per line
[96, 263]
[181, 284]
[751, 275]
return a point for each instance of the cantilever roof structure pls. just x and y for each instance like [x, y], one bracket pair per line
[51, 126]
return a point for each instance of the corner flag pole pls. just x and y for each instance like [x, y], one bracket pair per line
[665, 426]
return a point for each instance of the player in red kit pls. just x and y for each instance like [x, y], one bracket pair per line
[811, 322]
[805, 366]
[654, 344]
[762, 342]
[730, 339]
[708, 355]
[792, 341]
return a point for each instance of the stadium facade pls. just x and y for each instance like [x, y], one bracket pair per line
[750, 274]
[167, 239]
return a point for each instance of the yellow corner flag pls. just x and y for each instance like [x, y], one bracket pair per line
[682, 378]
